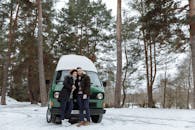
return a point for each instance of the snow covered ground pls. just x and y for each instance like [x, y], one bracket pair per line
[23, 116]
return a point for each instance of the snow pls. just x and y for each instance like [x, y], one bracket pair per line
[68, 62]
[22, 116]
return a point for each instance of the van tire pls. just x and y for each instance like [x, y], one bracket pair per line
[97, 118]
[49, 116]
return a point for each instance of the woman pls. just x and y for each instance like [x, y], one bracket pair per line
[66, 94]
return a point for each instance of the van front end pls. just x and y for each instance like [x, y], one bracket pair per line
[53, 111]
[96, 105]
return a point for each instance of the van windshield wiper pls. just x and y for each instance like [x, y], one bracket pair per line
[95, 85]
[59, 81]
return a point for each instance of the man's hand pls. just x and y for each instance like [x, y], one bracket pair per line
[84, 96]
[73, 87]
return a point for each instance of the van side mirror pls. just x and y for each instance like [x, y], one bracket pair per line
[104, 83]
[47, 82]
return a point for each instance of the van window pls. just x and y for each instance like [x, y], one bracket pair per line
[93, 77]
[60, 76]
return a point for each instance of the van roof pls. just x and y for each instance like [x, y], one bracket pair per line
[68, 62]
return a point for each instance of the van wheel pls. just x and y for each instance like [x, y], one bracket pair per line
[58, 120]
[49, 116]
[96, 118]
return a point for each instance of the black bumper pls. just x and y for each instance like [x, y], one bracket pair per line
[97, 111]
[56, 111]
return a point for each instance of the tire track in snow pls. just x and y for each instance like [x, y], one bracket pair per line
[148, 120]
[134, 120]
[155, 118]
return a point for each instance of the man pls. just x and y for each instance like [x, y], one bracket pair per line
[65, 97]
[83, 93]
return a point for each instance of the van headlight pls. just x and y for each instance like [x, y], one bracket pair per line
[100, 96]
[56, 94]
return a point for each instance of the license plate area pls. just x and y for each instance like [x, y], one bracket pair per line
[75, 112]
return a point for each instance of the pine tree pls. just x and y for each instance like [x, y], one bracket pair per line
[132, 52]
[160, 26]
[25, 69]
[9, 45]
[4, 16]
[82, 26]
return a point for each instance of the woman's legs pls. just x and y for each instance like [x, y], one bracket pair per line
[63, 109]
[86, 108]
[80, 104]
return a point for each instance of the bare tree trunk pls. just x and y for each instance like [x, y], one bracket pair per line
[119, 57]
[43, 91]
[7, 61]
[188, 98]
[192, 40]
[80, 42]
[146, 63]
[33, 86]
[148, 74]
[5, 79]
[152, 74]
[124, 79]
[176, 97]
[150, 96]
[165, 87]
[164, 92]
[189, 82]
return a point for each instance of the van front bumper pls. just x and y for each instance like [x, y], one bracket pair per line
[56, 111]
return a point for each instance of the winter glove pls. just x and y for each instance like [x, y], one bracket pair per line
[84, 96]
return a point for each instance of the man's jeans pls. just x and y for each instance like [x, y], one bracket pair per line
[66, 108]
[83, 105]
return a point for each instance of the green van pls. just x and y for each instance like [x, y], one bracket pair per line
[65, 64]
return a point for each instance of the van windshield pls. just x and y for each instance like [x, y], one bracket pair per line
[93, 77]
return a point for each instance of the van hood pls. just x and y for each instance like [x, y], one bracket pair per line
[96, 89]
[93, 88]
[58, 87]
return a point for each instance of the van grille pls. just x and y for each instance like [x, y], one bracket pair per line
[92, 104]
